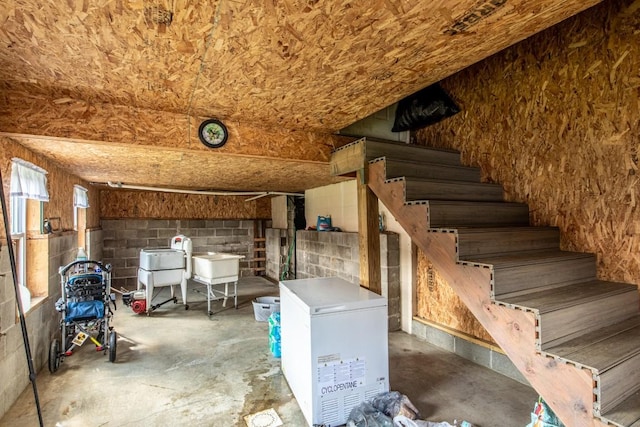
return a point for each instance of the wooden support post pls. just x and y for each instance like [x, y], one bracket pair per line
[368, 235]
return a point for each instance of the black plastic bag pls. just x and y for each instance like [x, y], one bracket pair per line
[424, 108]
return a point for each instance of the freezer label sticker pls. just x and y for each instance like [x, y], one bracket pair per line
[329, 358]
[341, 375]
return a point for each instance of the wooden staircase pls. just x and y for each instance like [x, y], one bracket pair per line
[575, 338]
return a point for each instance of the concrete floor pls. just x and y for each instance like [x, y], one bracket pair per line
[180, 367]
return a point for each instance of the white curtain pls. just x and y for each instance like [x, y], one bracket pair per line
[80, 197]
[28, 181]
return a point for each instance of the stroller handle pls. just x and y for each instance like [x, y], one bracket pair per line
[103, 267]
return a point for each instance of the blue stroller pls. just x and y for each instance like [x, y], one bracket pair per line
[85, 311]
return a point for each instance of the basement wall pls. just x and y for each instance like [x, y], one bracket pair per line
[55, 250]
[280, 253]
[124, 238]
[59, 183]
[277, 245]
[340, 201]
[556, 121]
[337, 254]
[133, 220]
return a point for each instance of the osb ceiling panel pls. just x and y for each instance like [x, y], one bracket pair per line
[299, 64]
[165, 167]
[309, 66]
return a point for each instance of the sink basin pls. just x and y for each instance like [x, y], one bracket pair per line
[216, 267]
[161, 259]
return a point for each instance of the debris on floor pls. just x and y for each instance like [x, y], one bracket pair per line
[393, 404]
[543, 416]
[274, 334]
[392, 409]
[402, 421]
[267, 418]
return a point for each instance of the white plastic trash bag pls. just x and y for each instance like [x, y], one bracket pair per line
[402, 421]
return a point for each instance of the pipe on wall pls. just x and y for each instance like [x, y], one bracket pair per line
[255, 194]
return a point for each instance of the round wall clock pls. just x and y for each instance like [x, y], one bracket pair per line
[213, 133]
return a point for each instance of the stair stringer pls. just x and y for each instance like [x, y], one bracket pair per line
[568, 389]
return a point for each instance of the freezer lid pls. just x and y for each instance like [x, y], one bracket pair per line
[331, 294]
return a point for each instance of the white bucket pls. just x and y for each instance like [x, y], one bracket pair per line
[264, 306]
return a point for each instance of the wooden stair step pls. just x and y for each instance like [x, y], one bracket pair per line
[614, 354]
[475, 244]
[567, 301]
[521, 272]
[259, 249]
[449, 214]
[401, 151]
[259, 239]
[432, 189]
[589, 349]
[570, 311]
[259, 259]
[395, 168]
[354, 156]
[619, 382]
[626, 413]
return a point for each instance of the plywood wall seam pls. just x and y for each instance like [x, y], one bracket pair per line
[214, 28]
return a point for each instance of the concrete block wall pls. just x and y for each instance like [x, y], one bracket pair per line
[329, 254]
[124, 238]
[42, 320]
[486, 356]
[275, 251]
[279, 241]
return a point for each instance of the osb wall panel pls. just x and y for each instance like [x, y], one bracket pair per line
[59, 183]
[555, 120]
[438, 302]
[117, 204]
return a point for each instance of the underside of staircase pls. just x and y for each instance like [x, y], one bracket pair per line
[575, 338]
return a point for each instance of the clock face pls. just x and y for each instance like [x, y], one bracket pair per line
[213, 133]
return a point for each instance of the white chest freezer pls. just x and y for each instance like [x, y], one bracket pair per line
[334, 346]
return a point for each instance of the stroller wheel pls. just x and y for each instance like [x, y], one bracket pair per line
[54, 356]
[113, 343]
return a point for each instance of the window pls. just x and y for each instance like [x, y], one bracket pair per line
[80, 205]
[18, 233]
[28, 181]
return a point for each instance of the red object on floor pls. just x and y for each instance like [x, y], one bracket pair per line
[139, 306]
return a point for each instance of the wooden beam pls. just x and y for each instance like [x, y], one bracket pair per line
[350, 158]
[178, 168]
[368, 236]
[78, 120]
[37, 274]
